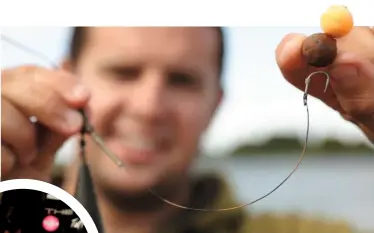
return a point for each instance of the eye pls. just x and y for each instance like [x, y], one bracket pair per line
[125, 73]
[179, 79]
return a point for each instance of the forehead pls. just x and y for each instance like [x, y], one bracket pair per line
[159, 42]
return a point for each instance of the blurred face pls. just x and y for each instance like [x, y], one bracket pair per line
[154, 92]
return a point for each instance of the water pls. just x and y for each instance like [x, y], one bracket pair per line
[337, 187]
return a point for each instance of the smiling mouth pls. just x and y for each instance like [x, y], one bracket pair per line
[138, 149]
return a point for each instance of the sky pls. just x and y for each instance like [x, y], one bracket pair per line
[258, 102]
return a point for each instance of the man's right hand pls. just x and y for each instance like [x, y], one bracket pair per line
[53, 97]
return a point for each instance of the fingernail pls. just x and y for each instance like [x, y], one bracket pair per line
[73, 119]
[80, 92]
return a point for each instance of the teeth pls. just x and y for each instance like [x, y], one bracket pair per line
[139, 143]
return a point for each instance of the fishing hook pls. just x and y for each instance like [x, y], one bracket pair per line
[309, 79]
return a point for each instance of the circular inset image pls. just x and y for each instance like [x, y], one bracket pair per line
[31, 206]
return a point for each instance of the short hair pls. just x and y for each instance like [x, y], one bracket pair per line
[79, 36]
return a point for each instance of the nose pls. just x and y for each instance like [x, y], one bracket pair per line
[149, 98]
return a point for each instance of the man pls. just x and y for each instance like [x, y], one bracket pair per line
[151, 93]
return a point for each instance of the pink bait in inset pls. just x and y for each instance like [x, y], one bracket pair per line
[51, 223]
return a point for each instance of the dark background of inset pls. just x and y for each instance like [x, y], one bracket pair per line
[29, 210]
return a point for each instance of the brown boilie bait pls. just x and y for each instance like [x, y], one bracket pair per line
[320, 50]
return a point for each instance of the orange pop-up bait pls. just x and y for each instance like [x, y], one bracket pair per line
[320, 49]
[336, 21]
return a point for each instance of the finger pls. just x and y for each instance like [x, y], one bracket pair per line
[359, 41]
[75, 94]
[37, 98]
[26, 172]
[352, 79]
[45, 159]
[352, 75]
[17, 131]
[8, 160]
[66, 84]
[288, 54]
[70, 88]
[29, 142]
[295, 69]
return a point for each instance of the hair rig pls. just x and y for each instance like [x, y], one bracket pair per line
[319, 51]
